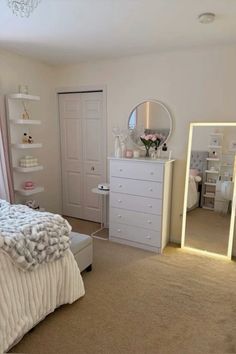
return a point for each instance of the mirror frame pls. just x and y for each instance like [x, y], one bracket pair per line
[141, 147]
[232, 219]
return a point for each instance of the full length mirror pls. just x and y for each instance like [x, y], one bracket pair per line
[208, 219]
[150, 117]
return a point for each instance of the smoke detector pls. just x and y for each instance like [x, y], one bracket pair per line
[206, 17]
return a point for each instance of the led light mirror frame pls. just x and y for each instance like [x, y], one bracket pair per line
[232, 219]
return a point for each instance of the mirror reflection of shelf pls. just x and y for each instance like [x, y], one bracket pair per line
[210, 184]
[212, 171]
[212, 159]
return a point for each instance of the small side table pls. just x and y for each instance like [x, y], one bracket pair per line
[103, 195]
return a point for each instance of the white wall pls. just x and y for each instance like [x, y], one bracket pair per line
[196, 85]
[15, 70]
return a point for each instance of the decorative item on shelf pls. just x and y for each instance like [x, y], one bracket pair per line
[215, 141]
[136, 154]
[25, 114]
[30, 140]
[29, 185]
[129, 153]
[33, 204]
[150, 140]
[25, 138]
[28, 161]
[23, 89]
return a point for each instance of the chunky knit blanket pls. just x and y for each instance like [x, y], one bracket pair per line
[31, 237]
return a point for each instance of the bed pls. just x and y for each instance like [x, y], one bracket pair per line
[28, 296]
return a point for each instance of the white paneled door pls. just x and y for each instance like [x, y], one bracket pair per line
[83, 152]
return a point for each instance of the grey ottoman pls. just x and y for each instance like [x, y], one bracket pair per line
[82, 249]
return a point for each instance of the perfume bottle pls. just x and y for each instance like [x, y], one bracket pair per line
[164, 152]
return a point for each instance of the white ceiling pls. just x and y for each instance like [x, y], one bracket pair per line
[68, 31]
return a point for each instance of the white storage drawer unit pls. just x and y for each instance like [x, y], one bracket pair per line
[140, 202]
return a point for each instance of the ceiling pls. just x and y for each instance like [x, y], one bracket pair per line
[69, 31]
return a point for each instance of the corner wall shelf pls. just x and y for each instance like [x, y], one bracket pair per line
[22, 96]
[26, 193]
[28, 169]
[27, 146]
[25, 121]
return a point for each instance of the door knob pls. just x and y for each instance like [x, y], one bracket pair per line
[92, 168]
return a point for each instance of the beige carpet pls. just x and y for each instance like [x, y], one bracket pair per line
[207, 230]
[139, 302]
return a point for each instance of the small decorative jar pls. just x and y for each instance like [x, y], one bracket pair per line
[136, 154]
[129, 153]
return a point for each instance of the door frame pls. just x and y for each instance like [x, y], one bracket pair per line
[84, 89]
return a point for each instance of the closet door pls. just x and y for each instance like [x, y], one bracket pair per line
[71, 154]
[93, 152]
[83, 153]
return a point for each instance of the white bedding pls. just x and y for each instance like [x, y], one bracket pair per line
[27, 297]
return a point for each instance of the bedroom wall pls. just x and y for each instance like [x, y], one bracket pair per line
[196, 85]
[15, 70]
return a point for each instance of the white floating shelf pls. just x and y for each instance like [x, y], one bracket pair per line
[210, 184]
[212, 159]
[28, 169]
[22, 96]
[27, 146]
[25, 121]
[215, 147]
[209, 196]
[26, 193]
[216, 134]
[210, 171]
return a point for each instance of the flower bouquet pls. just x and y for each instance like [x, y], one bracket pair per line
[150, 140]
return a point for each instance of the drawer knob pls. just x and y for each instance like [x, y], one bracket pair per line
[150, 206]
[121, 169]
[120, 185]
[119, 201]
[150, 189]
[119, 216]
[149, 222]
[148, 237]
[118, 230]
[151, 173]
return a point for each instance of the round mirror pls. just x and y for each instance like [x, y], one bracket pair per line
[150, 117]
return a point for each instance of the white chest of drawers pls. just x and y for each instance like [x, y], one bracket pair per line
[140, 202]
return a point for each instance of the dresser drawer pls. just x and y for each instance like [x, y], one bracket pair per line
[136, 234]
[132, 186]
[134, 218]
[137, 170]
[136, 203]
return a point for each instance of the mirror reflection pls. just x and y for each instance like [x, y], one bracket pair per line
[210, 188]
[150, 117]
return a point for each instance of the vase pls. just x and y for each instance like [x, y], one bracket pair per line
[147, 151]
[118, 152]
